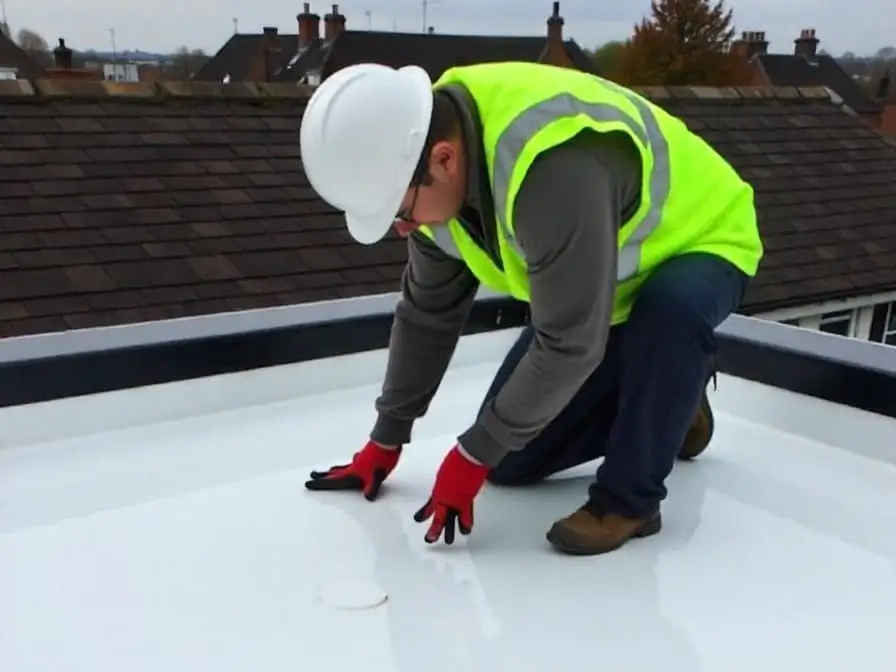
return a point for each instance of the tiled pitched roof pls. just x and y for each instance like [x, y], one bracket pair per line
[825, 185]
[238, 54]
[434, 53]
[13, 56]
[133, 202]
[578, 56]
[819, 70]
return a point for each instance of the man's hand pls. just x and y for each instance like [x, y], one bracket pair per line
[367, 471]
[458, 481]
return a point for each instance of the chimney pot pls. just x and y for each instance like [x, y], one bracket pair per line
[63, 56]
[806, 44]
[752, 43]
[334, 23]
[555, 25]
[309, 27]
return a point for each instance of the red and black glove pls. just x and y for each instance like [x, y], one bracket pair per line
[367, 471]
[458, 481]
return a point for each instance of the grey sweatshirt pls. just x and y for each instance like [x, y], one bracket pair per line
[570, 207]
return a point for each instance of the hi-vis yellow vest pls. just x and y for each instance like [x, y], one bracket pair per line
[692, 200]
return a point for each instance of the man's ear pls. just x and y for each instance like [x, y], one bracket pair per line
[443, 161]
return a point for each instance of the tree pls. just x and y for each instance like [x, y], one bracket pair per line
[185, 63]
[683, 43]
[35, 46]
[606, 57]
[30, 41]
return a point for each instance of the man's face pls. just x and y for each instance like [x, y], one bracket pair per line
[440, 200]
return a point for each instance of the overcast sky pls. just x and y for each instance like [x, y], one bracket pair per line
[163, 25]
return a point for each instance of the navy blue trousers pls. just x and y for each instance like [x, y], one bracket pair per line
[637, 406]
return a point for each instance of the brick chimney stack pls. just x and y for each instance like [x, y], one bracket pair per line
[750, 44]
[806, 44]
[883, 88]
[555, 25]
[270, 52]
[309, 27]
[64, 70]
[334, 23]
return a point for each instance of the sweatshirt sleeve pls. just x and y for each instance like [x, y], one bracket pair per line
[437, 294]
[566, 220]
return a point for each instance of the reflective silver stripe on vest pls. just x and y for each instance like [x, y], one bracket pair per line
[522, 129]
[515, 137]
[442, 237]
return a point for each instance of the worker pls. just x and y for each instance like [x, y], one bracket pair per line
[629, 237]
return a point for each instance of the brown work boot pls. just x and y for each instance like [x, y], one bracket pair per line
[702, 427]
[587, 533]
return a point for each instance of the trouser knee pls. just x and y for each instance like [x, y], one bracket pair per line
[669, 320]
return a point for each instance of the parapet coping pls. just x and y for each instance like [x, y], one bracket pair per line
[49, 89]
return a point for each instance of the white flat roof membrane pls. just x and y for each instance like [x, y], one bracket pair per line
[182, 539]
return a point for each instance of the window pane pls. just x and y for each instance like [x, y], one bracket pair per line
[836, 316]
[891, 314]
[890, 339]
[840, 327]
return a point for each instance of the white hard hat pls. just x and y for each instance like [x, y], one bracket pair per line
[362, 135]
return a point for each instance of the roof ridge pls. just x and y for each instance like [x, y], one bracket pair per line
[39, 90]
[417, 34]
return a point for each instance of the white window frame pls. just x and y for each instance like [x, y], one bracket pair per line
[8, 72]
[890, 325]
[850, 316]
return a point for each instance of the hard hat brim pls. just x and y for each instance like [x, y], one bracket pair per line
[371, 228]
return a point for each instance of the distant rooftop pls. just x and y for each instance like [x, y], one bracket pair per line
[817, 70]
[805, 66]
[434, 53]
[310, 56]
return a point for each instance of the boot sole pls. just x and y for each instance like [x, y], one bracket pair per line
[570, 547]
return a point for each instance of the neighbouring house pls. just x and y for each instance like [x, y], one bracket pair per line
[15, 63]
[309, 57]
[806, 67]
[126, 68]
[127, 202]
